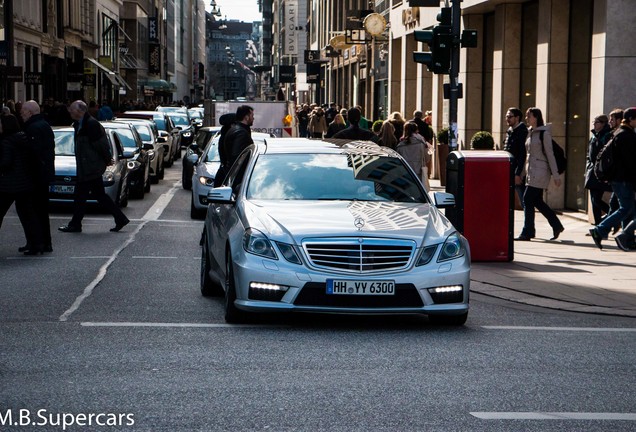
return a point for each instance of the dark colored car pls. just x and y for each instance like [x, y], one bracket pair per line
[137, 154]
[169, 135]
[193, 152]
[147, 131]
[182, 122]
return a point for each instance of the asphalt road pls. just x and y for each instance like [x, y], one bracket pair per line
[111, 329]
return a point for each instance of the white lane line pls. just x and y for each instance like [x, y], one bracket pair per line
[160, 205]
[577, 329]
[101, 274]
[90, 257]
[177, 325]
[153, 257]
[484, 415]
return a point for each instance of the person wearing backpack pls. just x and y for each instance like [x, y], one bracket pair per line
[601, 134]
[623, 181]
[540, 168]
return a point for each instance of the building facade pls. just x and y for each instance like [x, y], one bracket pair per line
[567, 57]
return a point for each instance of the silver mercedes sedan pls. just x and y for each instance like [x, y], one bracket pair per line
[331, 227]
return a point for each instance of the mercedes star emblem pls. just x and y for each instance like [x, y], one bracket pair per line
[358, 223]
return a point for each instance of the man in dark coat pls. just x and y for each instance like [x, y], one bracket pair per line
[354, 131]
[239, 137]
[226, 121]
[42, 144]
[423, 128]
[515, 144]
[92, 156]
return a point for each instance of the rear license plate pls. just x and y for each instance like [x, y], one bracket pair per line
[360, 287]
[61, 189]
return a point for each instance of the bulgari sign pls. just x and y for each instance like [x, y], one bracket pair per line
[291, 26]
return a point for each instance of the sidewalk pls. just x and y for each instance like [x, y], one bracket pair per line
[569, 274]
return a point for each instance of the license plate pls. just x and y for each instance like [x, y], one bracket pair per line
[360, 287]
[61, 189]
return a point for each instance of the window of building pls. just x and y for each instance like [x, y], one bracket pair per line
[529, 41]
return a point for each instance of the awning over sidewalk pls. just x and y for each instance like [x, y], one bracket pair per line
[159, 85]
[114, 77]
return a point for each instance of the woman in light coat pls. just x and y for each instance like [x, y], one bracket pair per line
[414, 149]
[541, 167]
[317, 123]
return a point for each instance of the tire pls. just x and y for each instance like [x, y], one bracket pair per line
[208, 287]
[195, 213]
[448, 320]
[138, 191]
[186, 181]
[147, 179]
[162, 171]
[177, 154]
[233, 315]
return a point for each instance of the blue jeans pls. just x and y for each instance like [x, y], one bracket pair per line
[624, 191]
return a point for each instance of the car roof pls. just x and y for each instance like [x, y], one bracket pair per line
[117, 124]
[331, 146]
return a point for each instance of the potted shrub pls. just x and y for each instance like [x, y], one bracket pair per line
[482, 140]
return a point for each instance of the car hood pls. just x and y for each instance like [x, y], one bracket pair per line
[65, 166]
[293, 221]
[208, 169]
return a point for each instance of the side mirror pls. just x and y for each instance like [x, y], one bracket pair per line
[162, 139]
[148, 146]
[127, 154]
[221, 195]
[443, 199]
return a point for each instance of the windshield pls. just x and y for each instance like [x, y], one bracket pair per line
[160, 122]
[212, 154]
[333, 177]
[180, 120]
[127, 138]
[144, 132]
[64, 143]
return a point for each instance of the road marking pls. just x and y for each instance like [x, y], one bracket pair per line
[101, 274]
[578, 329]
[485, 415]
[178, 325]
[153, 257]
[160, 205]
[90, 257]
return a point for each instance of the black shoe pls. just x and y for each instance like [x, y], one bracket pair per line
[48, 248]
[39, 250]
[596, 236]
[622, 243]
[120, 225]
[523, 237]
[70, 229]
[26, 247]
[556, 232]
[615, 229]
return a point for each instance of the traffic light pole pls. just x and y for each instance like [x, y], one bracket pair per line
[454, 75]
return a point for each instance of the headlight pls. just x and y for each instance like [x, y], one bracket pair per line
[289, 253]
[206, 181]
[151, 154]
[187, 134]
[452, 248]
[108, 178]
[133, 165]
[426, 255]
[256, 243]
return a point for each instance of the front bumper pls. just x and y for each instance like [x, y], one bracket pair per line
[306, 288]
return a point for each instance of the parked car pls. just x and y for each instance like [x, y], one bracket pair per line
[186, 130]
[196, 118]
[313, 226]
[204, 172]
[193, 152]
[115, 178]
[169, 134]
[148, 133]
[138, 154]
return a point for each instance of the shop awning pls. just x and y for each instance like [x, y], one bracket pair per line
[112, 76]
[159, 85]
[129, 61]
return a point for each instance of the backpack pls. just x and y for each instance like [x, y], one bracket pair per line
[559, 154]
[604, 167]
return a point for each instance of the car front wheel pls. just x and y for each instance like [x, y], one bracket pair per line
[208, 287]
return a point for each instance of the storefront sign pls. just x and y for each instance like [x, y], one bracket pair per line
[411, 17]
[33, 78]
[286, 74]
[291, 26]
[153, 29]
[14, 73]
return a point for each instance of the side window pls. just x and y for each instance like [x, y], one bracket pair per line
[235, 177]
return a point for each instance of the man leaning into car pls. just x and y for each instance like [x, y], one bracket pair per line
[92, 157]
[239, 137]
